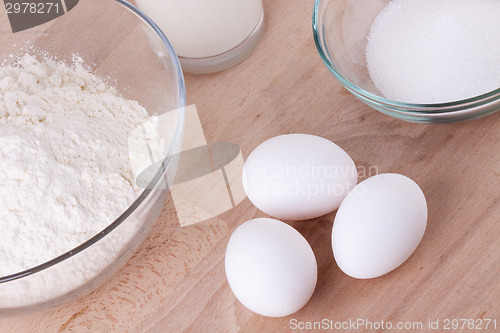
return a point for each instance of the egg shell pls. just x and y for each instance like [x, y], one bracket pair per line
[270, 267]
[379, 225]
[298, 176]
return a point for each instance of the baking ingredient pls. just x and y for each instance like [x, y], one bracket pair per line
[270, 267]
[435, 51]
[201, 28]
[298, 176]
[379, 225]
[64, 165]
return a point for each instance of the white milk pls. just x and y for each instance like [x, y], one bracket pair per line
[204, 28]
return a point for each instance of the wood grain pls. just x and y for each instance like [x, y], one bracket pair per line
[176, 281]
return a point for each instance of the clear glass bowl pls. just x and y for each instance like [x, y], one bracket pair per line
[340, 29]
[126, 48]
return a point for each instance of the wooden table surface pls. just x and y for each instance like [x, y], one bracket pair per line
[176, 281]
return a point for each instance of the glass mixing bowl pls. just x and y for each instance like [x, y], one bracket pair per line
[340, 32]
[126, 49]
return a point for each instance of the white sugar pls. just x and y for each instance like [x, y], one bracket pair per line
[435, 51]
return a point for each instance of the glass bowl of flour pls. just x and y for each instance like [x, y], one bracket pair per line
[90, 98]
[427, 61]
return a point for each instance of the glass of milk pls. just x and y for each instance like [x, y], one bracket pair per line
[208, 35]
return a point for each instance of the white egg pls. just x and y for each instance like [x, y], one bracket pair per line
[298, 176]
[270, 267]
[379, 225]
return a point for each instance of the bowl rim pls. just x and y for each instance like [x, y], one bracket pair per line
[154, 182]
[437, 108]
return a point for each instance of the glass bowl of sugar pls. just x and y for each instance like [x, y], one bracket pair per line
[91, 96]
[427, 61]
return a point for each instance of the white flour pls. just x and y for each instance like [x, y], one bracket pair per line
[64, 164]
